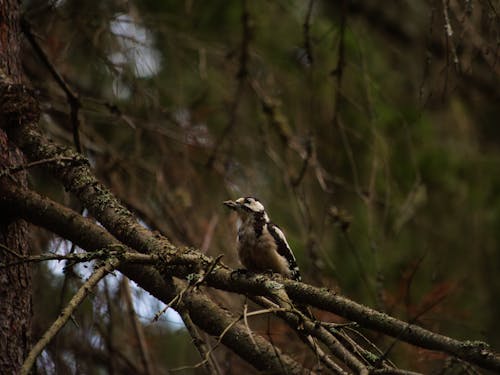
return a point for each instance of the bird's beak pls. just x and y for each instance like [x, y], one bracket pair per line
[232, 205]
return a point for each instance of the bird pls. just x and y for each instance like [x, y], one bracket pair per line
[262, 246]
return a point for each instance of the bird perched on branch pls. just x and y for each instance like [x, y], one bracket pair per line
[262, 246]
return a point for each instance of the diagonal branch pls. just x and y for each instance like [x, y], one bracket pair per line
[138, 330]
[71, 96]
[88, 235]
[208, 360]
[77, 299]
[203, 311]
[79, 179]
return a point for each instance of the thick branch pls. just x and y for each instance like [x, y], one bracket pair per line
[78, 178]
[473, 351]
[204, 312]
[88, 235]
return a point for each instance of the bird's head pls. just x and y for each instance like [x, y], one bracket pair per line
[247, 207]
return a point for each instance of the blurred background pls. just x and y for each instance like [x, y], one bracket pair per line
[369, 132]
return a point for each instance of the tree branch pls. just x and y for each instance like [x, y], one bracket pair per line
[77, 299]
[87, 234]
[78, 179]
[138, 329]
[208, 362]
[71, 96]
[203, 311]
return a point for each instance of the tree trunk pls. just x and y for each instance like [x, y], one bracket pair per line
[15, 282]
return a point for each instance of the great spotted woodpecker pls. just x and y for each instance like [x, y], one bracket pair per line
[262, 246]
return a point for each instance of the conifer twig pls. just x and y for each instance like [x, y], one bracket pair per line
[65, 315]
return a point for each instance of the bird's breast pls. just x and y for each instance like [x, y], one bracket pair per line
[259, 253]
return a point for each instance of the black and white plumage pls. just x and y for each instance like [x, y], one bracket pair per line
[262, 246]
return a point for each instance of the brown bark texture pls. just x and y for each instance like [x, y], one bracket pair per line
[15, 282]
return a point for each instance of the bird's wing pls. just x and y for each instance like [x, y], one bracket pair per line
[284, 249]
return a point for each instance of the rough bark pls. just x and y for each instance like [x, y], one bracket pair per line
[205, 313]
[88, 235]
[15, 282]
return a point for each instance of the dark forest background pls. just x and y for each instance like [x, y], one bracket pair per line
[368, 129]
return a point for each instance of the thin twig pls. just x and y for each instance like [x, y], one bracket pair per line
[245, 320]
[207, 238]
[241, 77]
[280, 124]
[209, 270]
[309, 150]
[408, 326]
[359, 263]
[178, 298]
[365, 354]
[307, 34]
[233, 113]
[338, 72]
[72, 96]
[75, 258]
[77, 299]
[18, 168]
[307, 336]
[205, 351]
[107, 330]
[245, 42]
[138, 330]
[449, 34]
[11, 252]
[225, 331]
[175, 300]
[270, 337]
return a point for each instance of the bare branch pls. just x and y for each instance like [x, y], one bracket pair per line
[123, 225]
[200, 344]
[307, 34]
[203, 311]
[65, 315]
[138, 330]
[72, 97]
[23, 167]
[102, 254]
[70, 225]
